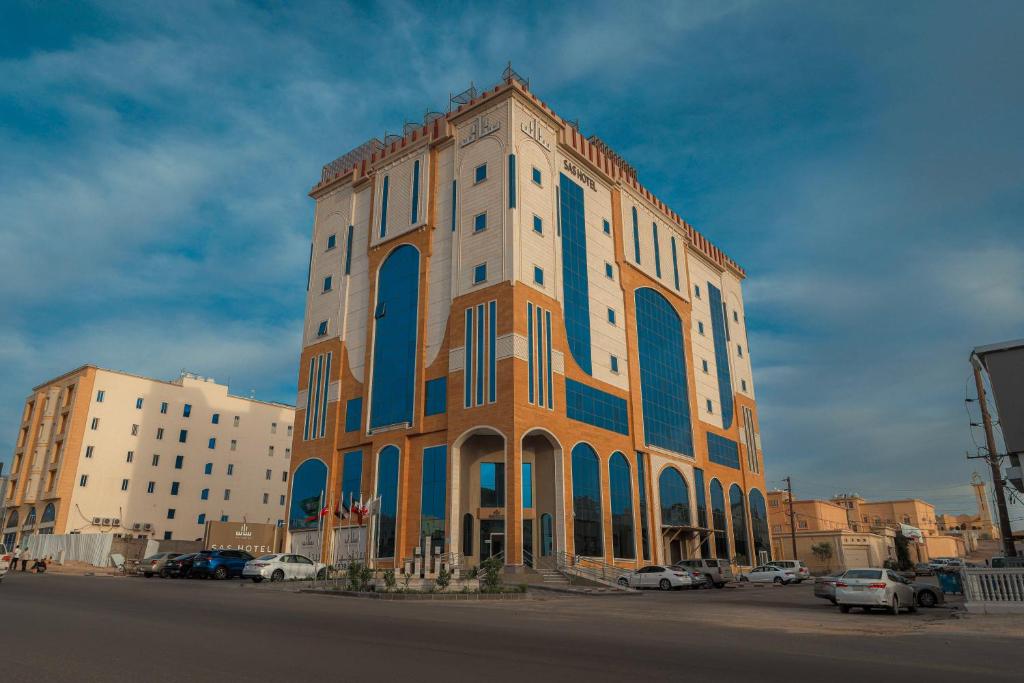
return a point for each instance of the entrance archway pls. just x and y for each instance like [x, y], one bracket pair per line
[478, 495]
[543, 504]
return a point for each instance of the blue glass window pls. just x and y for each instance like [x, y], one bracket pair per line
[394, 339]
[527, 485]
[186, 410]
[387, 489]
[480, 174]
[620, 488]
[739, 351]
[657, 249]
[415, 192]
[720, 521]
[138, 404]
[480, 274]
[529, 349]
[480, 354]
[328, 283]
[641, 473]
[538, 225]
[704, 365]
[309, 398]
[511, 181]
[99, 395]
[492, 484]
[455, 196]
[432, 498]
[540, 359]
[614, 363]
[223, 518]
[212, 443]
[611, 315]
[436, 396]
[351, 479]
[723, 451]
[675, 498]
[574, 273]
[586, 502]
[215, 418]
[384, 208]
[170, 513]
[636, 238]
[179, 460]
[353, 414]
[547, 345]
[467, 363]
[609, 271]
[201, 519]
[663, 386]
[175, 486]
[348, 251]
[538, 275]
[700, 328]
[480, 222]
[308, 486]
[467, 534]
[759, 524]
[719, 333]
[332, 241]
[492, 340]
[606, 226]
[675, 264]
[537, 176]
[696, 291]
[595, 407]
[739, 524]
[208, 468]
[546, 535]
[204, 494]
[183, 436]
[702, 510]
[711, 408]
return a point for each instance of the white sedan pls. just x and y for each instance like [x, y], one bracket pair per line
[279, 566]
[873, 587]
[657, 576]
[769, 573]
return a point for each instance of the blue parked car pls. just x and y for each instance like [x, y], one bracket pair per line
[220, 564]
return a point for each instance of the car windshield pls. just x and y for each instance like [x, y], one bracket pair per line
[863, 574]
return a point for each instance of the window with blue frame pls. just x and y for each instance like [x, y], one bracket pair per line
[432, 498]
[702, 510]
[527, 482]
[224, 518]
[332, 241]
[636, 237]
[538, 275]
[175, 486]
[204, 494]
[480, 222]
[641, 475]
[215, 419]
[394, 339]
[621, 494]
[511, 181]
[201, 519]
[415, 192]
[614, 360]
[348, 251]
[606, 226]
[657, 249]
[723, 451]
[480, 174]
[588, 538]
[675, 498]
[759, 524]
[179, 461]
[719, 520]
[719, 334]
[609, 271]
[321, 329]
[353, 414]
[186, 410]
[212, 443]
[328, 283]
[387, 489]
[351, 479]
[538, 225]
[595, 407]
[611, 316]
[384, 207]
[739, 524]
[480, 273]
[675, 264]
[436, 396]
[575, 284]
[308, 486]
[492, 484]
[663, 385]
[537, 176]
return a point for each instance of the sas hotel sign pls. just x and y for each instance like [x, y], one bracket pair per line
[252, 538]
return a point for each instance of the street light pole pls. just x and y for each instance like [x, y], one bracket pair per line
[792, 515]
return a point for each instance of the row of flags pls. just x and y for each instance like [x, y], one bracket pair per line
[350, 509]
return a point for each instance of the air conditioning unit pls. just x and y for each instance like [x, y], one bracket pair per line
[96, 521]
[115, 522]
[136, 527]
[147, 526]
[106, 521]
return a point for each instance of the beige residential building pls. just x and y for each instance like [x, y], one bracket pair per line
[105, 451]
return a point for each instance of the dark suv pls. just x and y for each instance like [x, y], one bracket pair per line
[220, 564]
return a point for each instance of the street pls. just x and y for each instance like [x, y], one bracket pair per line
[68, 628]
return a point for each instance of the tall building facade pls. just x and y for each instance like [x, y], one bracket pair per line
[101, 451]
[521, 351]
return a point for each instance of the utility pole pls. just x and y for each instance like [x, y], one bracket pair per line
[993, 462]
[792, 514]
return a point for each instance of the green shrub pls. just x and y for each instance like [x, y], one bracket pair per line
[389, 579]
[444, 578]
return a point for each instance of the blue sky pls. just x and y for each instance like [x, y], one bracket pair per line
[863, 162]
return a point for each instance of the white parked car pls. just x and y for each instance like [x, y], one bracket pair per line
[874, 588]
[799, 569]
[280, 566]
[769, 573]
[5, 560]
[657, 576]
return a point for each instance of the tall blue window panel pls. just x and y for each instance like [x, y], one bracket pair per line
[492, 360]
[657, 249]
[432, 498]
[547, 348]
[675, 498]
[511, 181]
[480, 364]
[720, 521]
[325, 386]
[719, 332]
[675, 264]
[455, 195]
[739, 524]
[723, 451]
[641, 476]
[586, 502]
[387, 489]
[317, 393]
[467, 363]
[480, 354]
[415, 192]
[636, 237]
[308, 486]
[384, 207]
[759, 524]
[702, 510]
[574, 272]
[309, 399]
[529, 349]
[540, 358]
[436, 396]
[348, 251]
[351, 479]
[527, 482]
[663, 387]
[394, 338]
[353, 414]
[620, 488]
[595, 407]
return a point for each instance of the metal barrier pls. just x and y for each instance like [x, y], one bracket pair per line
[994, 591]
[591, 569]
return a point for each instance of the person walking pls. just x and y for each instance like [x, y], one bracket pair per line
[26, 555]
[14, 558]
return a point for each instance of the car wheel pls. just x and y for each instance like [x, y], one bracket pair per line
[257, 579]
[833, 601]
[744, 579]
[278, 575]
[894, 608]
[778, 581]
[148, 575]
[845, 609]
[926, 599]
[624, 581]
[321, 575]
[164, 574]
[720, 584]
[220, 573]
[665, 585]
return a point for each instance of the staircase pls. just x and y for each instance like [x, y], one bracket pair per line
[552, 577]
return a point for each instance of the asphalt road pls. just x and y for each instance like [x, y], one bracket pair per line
[62, 628]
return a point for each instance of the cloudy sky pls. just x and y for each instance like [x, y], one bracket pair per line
[863, 161]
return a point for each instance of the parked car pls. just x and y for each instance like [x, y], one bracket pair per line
[718, 572]
[870, 588]
[5, 560]
[1006, 562]
[768, 573]
[924, 569]
[220, 564]
[278, 567]
[927, 595]
[179, 568]
[825, 586]
[937, 563]
[800, 570]
[657, 576]
[154, 564]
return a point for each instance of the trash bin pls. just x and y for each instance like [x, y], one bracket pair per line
[950, 582]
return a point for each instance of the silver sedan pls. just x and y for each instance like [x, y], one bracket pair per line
[656, 576]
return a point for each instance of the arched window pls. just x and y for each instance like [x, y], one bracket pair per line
[586, 501]
[387, 490]
[30, 519]
[675, 498]
[739, 525]
[467, 535]
[49, 514]
[393, 383]
[546, 535]
[663, 388]
[623, 544]
[12, 521]
[759, 524]
[720, 521]
[308, 486]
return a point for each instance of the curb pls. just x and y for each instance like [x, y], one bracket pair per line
[417, 596]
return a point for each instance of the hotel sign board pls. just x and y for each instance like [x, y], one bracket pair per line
[255, 539]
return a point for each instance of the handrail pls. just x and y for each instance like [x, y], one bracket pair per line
[527, 558]
[592, 569]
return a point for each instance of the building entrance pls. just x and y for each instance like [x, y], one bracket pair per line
[492, 538]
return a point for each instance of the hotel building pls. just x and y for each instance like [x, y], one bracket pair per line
[102, 451]
[522, 351]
